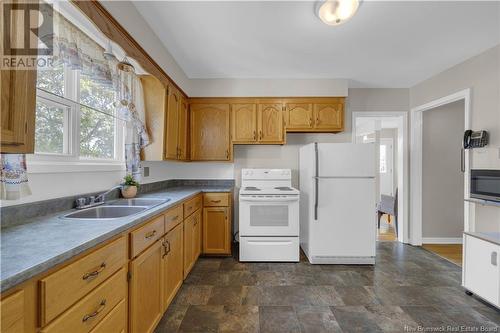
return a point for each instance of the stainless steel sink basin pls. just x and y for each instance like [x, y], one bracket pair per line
[144, 202]
[104, 212]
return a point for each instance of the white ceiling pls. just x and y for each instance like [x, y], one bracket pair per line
[386, 44]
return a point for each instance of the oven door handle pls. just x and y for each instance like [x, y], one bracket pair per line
[269, 199]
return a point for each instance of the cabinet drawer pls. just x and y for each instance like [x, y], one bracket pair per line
[215, 199]
[64, 287]
[142, 238]
[12, 313]
[115, 321]
[192, 205]
[173, 217]
[88, 312]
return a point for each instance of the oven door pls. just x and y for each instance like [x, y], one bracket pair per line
[485, 184]
[269, 216]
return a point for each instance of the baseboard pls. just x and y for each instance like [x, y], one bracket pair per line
[442, 240]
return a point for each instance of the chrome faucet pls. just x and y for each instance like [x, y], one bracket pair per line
[87, 202]
[102, 197]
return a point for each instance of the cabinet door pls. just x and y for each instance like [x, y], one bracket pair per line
[145, 290]
[216, 231]
[299, 116]
[210, 139]
[172, 125]
[197, 235]
[172, 269]
[244, 123]
[270, 123]
[188, 245]
[482, 269]
[182, 140]
[17, 109]
[155, 107]
[329, 116]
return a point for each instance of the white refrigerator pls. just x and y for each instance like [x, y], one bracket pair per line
[337, 203]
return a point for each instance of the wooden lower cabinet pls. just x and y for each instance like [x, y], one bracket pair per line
[145, 290]
[12, 311]
[216, 230]
[192, 240]
[115, 321]
[172, 264]
[83, 316]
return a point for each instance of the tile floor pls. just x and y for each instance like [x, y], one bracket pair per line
[409, 287]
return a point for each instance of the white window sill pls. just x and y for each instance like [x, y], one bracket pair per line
[76, 166]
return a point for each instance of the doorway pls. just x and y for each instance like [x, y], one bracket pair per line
[462, 161]
[441, 215]
[388, 130]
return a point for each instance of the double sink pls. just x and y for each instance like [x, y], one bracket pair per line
[115, 209]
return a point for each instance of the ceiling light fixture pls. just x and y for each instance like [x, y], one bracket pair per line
[336, 12]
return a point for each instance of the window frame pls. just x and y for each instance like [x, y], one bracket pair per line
[70, 160]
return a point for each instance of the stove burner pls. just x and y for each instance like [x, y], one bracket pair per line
[283, 188]
[252, 188]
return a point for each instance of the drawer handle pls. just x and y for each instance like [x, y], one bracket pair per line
[494, 258]
[150, 234]
[215, 201]
[174, 218]
[101, 307]
[91, 275]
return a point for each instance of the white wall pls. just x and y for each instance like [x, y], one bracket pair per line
[443, 181]
[482, 74]
[55, 185]
[128, 16]
[193, 170]
[267, 87]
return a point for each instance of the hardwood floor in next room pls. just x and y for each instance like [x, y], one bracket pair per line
[408, 287]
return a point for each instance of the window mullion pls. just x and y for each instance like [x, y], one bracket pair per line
[77, 113]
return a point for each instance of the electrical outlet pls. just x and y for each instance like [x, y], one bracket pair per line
[146, 171]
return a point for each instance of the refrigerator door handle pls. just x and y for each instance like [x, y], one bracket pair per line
[316, 190]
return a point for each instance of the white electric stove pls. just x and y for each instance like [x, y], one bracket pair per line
[268, 216]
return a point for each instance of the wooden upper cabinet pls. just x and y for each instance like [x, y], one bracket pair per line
[299, 116]
[17, 109]
[329, 116]
[17, 96]
[210, 137]
[244, 123]
[270, 123]
[182, 138]
[155, 105]
[172, 126]
[167, 118]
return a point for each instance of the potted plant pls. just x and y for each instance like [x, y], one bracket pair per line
[129, 187]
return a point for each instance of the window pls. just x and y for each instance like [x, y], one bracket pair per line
[383, 159]
[75, 119]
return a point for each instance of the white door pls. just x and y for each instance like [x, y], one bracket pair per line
[386, 167]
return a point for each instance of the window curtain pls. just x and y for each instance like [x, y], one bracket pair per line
[78, 51]
[13, 177]
[131, 108]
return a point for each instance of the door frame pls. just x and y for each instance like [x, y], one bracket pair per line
[403, 165]
[416, 162]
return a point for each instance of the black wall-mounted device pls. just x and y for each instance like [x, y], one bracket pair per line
[475, 139]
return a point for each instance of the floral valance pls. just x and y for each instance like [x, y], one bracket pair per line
[77, 50]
